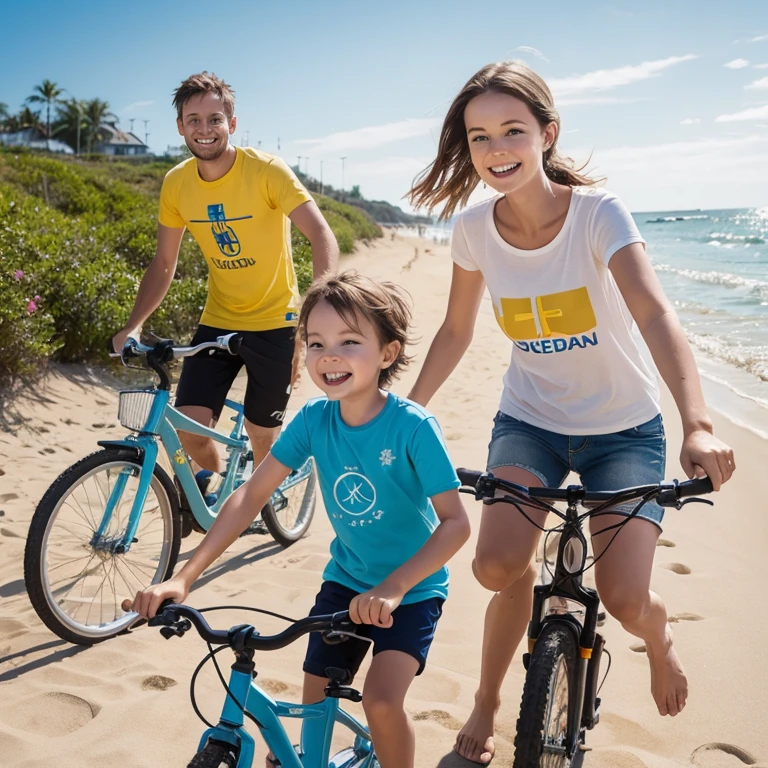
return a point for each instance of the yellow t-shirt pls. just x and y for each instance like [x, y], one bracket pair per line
[240, 223]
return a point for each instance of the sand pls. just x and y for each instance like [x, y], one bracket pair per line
[125, 701]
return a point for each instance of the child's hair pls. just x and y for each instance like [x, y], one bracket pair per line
[354, 296]
[196, 85]
[452, 177]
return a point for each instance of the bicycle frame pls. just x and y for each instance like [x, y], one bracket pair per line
[567, 583]
[163, 422]
[317, 726]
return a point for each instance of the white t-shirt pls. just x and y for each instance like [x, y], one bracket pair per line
[576, 365]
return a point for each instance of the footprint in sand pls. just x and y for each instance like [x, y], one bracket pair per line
[51, 714]
[279, 688]
[441, 717]
[684, 616]
[47, 449]
[4, 497]
[717, 754]
[683, 570]
[9, 533]
[157, 683]
[613, 758]
[638, 648]
[665, 543]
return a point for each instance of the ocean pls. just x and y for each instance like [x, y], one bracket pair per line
[713, 265]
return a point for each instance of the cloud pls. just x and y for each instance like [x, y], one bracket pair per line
[372, 136]
[603, 79]
[757, 39]
[757, 85]
[737, 64]
[699, 157]
[136, 105]
[690, 121]
[580, 100]
[531, 49]
[754, 113]
[760, 66]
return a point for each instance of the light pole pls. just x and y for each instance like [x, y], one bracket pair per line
[321, 177]
[342, 174]
[298, 165]
[306, 166]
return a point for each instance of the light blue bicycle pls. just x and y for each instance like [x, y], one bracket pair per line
[112, 523]
[228, 744]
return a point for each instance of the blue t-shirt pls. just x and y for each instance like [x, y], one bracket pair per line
[376, 481]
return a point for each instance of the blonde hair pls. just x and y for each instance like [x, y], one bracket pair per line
[451, 178]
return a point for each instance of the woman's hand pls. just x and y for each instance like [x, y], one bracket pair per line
[148, 600]
[704, 454]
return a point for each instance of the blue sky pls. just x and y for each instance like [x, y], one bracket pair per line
[670, 98]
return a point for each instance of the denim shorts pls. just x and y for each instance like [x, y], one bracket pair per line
[412, 631]
[634, 456]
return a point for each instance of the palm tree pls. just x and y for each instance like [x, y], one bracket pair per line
[47, 93]
[70, 122]
[96, 113]
[26, 118]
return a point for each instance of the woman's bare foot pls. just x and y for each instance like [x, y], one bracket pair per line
[669, 684]
[475, 739]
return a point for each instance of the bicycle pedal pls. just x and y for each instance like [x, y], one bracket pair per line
[256, 528]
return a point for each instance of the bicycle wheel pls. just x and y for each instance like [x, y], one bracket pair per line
[549, 695]
[76, 580]
[214, 754]
[289, 512]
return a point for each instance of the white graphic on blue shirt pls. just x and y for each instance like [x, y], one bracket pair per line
[386, 458]
[354, 493]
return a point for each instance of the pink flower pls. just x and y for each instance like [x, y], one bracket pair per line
[18, 274]
[31, 307]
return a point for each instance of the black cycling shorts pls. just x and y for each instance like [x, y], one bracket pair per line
[207, 377]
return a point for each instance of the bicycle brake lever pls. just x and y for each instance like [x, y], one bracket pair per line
[695, 499]
[178, 628]
[336, 636]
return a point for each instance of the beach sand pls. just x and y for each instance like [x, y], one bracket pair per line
[125, 702]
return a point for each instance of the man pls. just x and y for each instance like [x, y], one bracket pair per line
[236, 202]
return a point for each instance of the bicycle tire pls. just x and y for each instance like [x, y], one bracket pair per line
[351, 758]
[214, 754]
[304, 496]
[554, 659]
[55, 602]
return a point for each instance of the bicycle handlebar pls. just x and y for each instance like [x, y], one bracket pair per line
[666, 494]
[166, 350]
[181, 617]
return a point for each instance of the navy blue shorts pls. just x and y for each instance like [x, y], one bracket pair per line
[411, 632]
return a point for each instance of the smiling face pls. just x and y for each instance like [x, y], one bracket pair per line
[205, 126]
[506, 142]
[345, 362]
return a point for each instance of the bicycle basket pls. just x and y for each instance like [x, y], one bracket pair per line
[134, 406]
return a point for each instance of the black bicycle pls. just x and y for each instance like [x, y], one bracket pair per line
[561, 692]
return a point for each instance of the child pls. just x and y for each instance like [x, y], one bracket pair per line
[389, 489]
[569, 277]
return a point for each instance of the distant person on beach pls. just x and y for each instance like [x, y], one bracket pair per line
[238, 204]
[391, 494]
[569, 277]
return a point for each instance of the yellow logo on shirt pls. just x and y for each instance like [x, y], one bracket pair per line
[555, 314]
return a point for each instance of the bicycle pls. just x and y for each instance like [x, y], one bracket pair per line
[560, 700]
[112, 523]
[228, 744]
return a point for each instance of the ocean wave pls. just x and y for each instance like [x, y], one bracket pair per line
[729, 236]
[757, 287]
[667, 219]
[753, 360]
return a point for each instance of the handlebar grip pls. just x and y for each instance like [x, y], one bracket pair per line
[468, 477]
[695, 487]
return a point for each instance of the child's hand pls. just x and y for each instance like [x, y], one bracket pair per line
[148, 600]
[704, 454]
[375, 606]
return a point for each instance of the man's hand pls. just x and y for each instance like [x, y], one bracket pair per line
[119, 339]
[703, 454]
[375, 606]
[148, 600]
